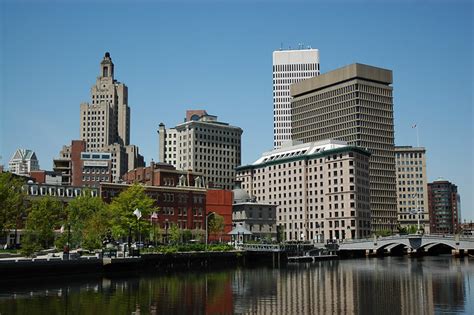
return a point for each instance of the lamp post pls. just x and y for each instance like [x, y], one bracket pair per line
[153, 217]
[138, 214]
[207, 218]
[166, 229]
[68, 239]
[129, 238]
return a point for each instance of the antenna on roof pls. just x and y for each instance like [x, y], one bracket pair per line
[281, 46]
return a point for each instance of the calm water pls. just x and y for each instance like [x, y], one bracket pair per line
[432, 285]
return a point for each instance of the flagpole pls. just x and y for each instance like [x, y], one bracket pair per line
[417, 137]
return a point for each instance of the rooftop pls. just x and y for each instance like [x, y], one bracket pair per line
[353, 71]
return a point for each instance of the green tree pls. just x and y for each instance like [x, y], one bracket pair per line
[175, 233]
[216, 224]
[122, 208]
[46, 215]
[97, 227]
[83, 215]
[12, 206]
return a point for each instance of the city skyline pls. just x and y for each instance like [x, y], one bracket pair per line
[175, 57]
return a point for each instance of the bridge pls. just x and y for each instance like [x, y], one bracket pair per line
[459, 245]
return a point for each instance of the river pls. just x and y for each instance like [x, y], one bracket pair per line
[390, 285]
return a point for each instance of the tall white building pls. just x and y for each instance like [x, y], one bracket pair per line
[289, 66]
[23, 162]
[203, 144]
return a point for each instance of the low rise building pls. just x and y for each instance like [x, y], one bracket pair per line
[256, 217]
[182, 205]
[321, 189]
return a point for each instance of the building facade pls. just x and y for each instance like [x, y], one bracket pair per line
[256, 217]
[183, 206]
[105, 123]
[444, 206]
[166, 175]
[84, 169]
[289, 66]
[321, 189]
[412, 187]
[354, 104]
[203, 144]
[23, 162]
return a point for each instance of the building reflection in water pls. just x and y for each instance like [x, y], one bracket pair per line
[367, 286]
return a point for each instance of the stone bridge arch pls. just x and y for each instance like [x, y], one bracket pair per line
[430, 244]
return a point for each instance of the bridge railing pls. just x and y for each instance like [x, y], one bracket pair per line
[262, 247]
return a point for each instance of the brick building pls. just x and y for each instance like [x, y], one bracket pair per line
[83, 169]
[220, 201]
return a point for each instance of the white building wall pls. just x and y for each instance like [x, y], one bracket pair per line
[289, 66]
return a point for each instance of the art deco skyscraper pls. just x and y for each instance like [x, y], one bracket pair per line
[107, 120]
[289, 66]
[354, 104]
[105, 123]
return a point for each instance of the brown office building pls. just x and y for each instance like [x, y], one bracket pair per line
[353, 104]
[445, 209]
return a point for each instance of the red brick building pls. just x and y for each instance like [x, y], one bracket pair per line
[220, 202]
[83, 169]
[184, 206]
[180, 195]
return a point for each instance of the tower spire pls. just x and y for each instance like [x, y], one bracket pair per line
[107, 66]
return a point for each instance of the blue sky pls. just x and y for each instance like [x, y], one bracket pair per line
[217, 55]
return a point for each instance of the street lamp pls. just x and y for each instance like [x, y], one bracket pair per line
[153, 217]
[138, 214]
[207, 217]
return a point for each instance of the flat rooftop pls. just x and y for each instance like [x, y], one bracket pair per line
[350, 72]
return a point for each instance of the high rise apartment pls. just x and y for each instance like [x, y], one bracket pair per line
[289, 66]
[203, 144]
[445, 207]
[354, 104]
[412, 187]
[321, 189]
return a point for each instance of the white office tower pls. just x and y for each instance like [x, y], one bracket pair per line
[289, 66]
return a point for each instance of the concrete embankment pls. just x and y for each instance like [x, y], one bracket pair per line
[21, 268]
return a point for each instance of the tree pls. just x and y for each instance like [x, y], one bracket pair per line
[46, 215]
[122, 208]
[96, 229]
[12, 206]
[216, 224]
[175, 233]
[84, 215]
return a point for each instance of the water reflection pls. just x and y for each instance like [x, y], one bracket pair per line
[367, 286]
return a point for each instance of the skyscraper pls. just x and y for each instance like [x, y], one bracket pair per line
[289, 66]
[412, 187]
[107, 120]
[105, 124]
[354, 104]
[203, 144]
